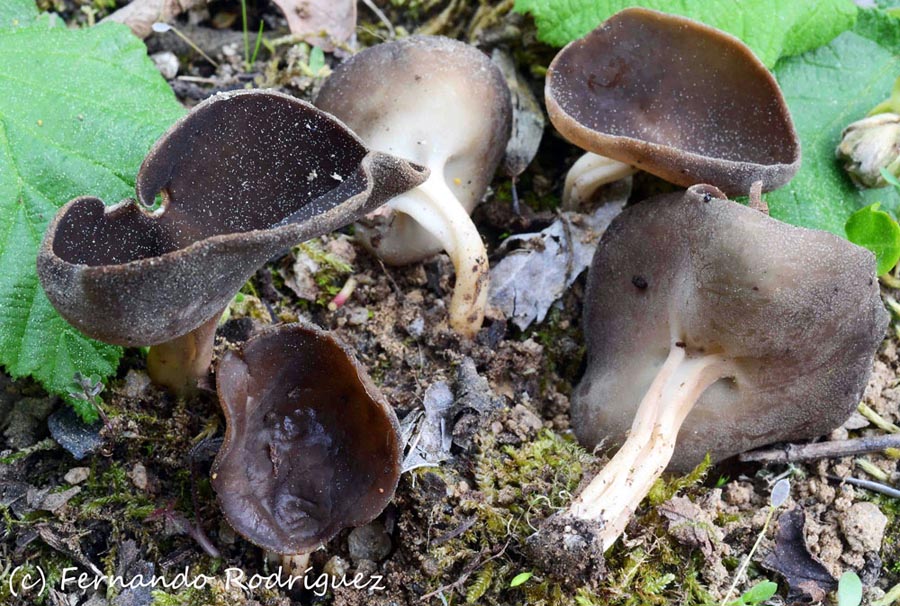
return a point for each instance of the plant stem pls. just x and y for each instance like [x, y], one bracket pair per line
[876, 419]
[743, 567]
[246, 35]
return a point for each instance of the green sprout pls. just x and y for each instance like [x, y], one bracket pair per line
[764, 590]
[849, 591]
[85, 399]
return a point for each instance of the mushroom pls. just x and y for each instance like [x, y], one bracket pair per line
[713, 328]
[243, 177]
[671, 96]
[311, 446]
[445, 105]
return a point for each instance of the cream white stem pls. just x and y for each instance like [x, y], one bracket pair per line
[436, 209]
[295, 565]
[618, 489]
[589, 173]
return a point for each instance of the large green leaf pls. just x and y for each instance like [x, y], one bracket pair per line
[826, 90]
[772, 28]
[17, 13]
[78, 111]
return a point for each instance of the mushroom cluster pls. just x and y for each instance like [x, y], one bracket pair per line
[711, 327]
[445, 105]
[310, 446]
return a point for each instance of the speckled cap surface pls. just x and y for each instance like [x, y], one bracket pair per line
[243, 177]
[676, 98]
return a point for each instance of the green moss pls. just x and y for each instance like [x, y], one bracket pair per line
[516, 488]
[332, 269]
[663, 489]
[556, 336]
[526, 194]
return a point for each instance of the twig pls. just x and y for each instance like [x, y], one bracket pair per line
[873, 470]
[794, 453]
[889, 598]
[478, 563]
[868, 485]
[876, 419]
[381, 17]
[461, 529]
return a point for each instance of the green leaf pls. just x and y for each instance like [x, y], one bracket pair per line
[520, 578]
[849, 589]
[78, 111]
[876, 230]
[316, 59]
[86, 410]
[772, 28]
[759, 593]
[826, 90]
[17, 13]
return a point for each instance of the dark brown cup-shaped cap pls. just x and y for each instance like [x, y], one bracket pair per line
[311, 446]
[242, 177]
[795, 312]
[676, 98]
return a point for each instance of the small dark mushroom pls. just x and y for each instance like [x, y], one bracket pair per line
[710, 323]
[311, 446]
[243, 177]
[673, 97]
[445, 105]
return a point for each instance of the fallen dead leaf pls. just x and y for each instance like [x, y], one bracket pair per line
[322, 23]
[140, 15]
[807, 578]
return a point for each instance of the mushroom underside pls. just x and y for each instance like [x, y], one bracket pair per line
[746, 331]
[693, 106]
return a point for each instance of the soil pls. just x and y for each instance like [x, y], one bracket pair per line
[457, 531]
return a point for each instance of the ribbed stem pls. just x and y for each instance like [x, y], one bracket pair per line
[436, 209]
[617, 490]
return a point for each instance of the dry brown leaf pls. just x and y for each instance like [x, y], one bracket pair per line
[322, 23]
[140, 15]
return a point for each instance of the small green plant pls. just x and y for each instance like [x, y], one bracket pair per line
[849, 591]
[521, 578]
[85, 399]
[757, 594]
[780, 493]
[249, 60]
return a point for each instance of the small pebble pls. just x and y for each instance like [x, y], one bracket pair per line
[167, 64]
[73, 434]
[136, 384]
[357, 316]
[369, 542]
[337, 567]
[77, 475]
[138, 475]
[863, 526]
[416, 328]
